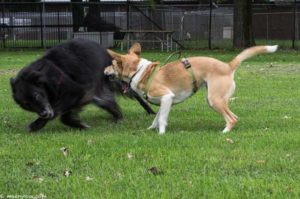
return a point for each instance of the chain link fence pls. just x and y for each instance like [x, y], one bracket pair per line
[195, 26]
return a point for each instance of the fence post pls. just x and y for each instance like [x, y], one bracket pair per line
[41, 24]
[3, 28]
[58, 24]
[127, 14]
[294, 25]
[209, 25]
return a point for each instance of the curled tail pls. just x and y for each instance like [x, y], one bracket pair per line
[250, 52]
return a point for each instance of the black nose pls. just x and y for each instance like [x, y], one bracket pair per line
[111, 76]
[44, 114]
[47, 113]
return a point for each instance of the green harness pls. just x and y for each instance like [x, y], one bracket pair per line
[186, 65]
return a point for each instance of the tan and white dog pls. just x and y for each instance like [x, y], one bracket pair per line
[173, 82]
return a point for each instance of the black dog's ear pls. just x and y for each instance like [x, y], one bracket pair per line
[35, 76]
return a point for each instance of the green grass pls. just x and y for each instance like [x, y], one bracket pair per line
[260, 158]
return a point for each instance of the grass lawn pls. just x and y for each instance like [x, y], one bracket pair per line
[260, 158]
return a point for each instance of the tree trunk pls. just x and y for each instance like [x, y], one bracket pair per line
[242, 20]
[77, 14]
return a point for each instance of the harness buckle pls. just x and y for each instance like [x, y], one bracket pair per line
[186, 63]
[145, 95]
[188, 66]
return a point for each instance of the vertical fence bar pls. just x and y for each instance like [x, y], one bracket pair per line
[127, 14]
[268, 13]
[209, 25]
[58, 25]
[3, 23]
[294, 24]
[41, 25]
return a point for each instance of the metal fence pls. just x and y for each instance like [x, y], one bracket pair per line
[195, 25]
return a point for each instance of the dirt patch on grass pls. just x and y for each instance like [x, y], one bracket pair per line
[8, 71]
[275, 69]
[282, 69]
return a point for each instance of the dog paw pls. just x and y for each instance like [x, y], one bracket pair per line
[226, 130]
[33, 127]
[151, 127]
[84, 126]
[37, 124]
[117, 120]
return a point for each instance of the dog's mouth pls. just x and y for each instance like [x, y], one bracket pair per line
[111, 76]
[47, 113]
[125, 87]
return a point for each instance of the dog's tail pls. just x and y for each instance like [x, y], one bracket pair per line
[250, 52]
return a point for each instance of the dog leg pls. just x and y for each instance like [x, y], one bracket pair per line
[154, 124]
[37, 124]
[165, 107]
[221, 106]
[109, 105]
[232, 120]
[218, 93]
[143, 103]
[71, 119]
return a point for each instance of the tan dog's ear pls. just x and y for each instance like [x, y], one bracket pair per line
[136, 49]
[114, 55]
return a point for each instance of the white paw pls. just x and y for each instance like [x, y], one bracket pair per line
[162, 130]
[226, 130]
[151, 127]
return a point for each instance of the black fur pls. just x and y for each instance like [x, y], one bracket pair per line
[67, 77]
[123, 88]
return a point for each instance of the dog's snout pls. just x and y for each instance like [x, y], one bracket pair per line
[44, 114]
[107, 73]
[47, 113]
[111, 76]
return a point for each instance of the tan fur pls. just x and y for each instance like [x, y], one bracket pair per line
[174, 78]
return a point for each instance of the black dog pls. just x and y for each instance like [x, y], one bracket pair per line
[66, 78]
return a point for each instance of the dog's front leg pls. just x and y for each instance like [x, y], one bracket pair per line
[37, 124]
[143, 103]
[165, 107]
[154, 124]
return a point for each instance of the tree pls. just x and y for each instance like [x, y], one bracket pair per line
[242, 28]
[77, 14]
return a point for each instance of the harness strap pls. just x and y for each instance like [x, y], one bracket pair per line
[188, 67]
[149, 80]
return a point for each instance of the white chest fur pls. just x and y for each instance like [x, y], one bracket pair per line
[143, 64]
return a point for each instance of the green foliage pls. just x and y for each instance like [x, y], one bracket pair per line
[260, 158]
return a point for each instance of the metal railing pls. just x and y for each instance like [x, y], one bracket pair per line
[42, 25]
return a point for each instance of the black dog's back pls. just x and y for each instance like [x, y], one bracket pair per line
[82, 60]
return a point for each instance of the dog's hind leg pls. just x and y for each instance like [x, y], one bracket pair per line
[219, 91]
[165, 107]
[221, 106]
[71, 119]
[110, 105]
[232, 122]
[37, 124]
